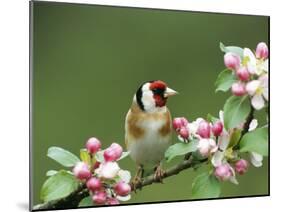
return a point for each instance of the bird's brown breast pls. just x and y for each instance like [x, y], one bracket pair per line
[135, 116]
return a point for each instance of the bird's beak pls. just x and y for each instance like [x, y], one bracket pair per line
[169, 92]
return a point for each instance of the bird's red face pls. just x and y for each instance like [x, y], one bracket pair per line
[158, 88]
[153, 94]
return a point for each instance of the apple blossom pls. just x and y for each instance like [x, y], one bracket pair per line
[238, 89]
[93, 145]
[81, 171]
[99, 197]
[258, 90]
[223, 172]
[179, 123]
[231, 60]
[122, 188]
[183, 132]
[204, 129]
[206, 146]
[108, 170]
[217, 128]
[94, 184]
[262, 50]
[113, 152]
[241, 166]
[243, 74]
[254, 66]
[112, 201]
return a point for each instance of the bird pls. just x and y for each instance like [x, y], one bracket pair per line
[148, 128]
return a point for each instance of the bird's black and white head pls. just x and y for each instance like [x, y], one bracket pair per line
[152, 96]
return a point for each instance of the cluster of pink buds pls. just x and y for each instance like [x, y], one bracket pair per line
[200, 129]
[106, 182]
[251, 71]
[226, 172]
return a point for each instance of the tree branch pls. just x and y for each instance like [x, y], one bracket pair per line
[72, 200]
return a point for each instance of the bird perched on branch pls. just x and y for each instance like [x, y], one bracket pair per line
[148, 127]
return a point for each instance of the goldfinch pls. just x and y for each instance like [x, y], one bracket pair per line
[148, 127]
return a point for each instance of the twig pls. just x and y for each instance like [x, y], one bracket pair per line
[72, 200]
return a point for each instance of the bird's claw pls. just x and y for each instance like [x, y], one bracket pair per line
[136, 183]
[159, 174]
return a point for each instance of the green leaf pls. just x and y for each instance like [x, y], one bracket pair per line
[87, 201]
[235, 137]
[205, 186]
[180, 149]
[225, 80]
[85, 156]
[58, 186]
[124, 155]
[234, 49]
[51, 173]
[236, 109]
[211, 118]
[62, 156]
[255, 141]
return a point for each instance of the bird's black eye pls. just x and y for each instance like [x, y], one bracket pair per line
[158, 91]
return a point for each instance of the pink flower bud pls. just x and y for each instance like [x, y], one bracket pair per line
[241, 166]
[217, 128]
[238, 89]
[262, 50]
[113, 152]
[109, 155]
[179, 123]
[231, 60]
[93, 145]
[118, 150]
[243, 74]
[204, 129]
[94, 184]
[99, 197]
[223, 172]
[122, 188]
[183, 132]
[112, 201]
[81, 171]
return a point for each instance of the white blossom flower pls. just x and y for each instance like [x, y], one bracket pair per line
[108, 170]
[254, 65]
[258, 90]
[206, 146]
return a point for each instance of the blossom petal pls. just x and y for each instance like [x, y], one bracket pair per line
[256, 159]
[252, 86]
[253, 125]
[125, 198]
[108, 170]
[221, 116]
[257, 102]
[251, 64]
[223, 140]
[265, 65]
[124, 175]
[233, 177]
[217, 158]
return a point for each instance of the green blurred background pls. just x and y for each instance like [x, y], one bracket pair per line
[89, 60]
